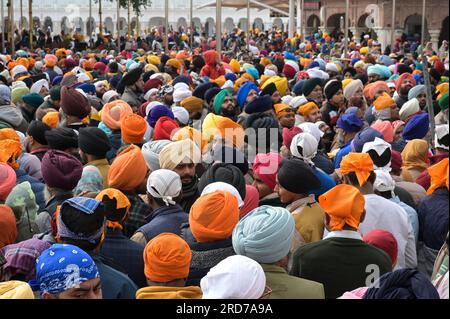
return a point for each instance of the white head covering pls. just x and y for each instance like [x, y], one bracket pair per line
[83, 77]
[150, 93]
[150, 106]
[151, 151]
[36, 87]
[269, 72]
[236, 277]
[221, 186]
[331, 67]
[18, 69]
[352, 87]
[312, 129]
[181, 86]
[379, 146]
[441, 131]
[384, 182]
[286, 99]
[316, 73]
[181, 94]
[309, 146]
[293, 64]
[18, 84]
[58, 70]
[164, 184]
[109, 95]
[298, 101]
[409, 108]
[181, 114]
[228, 84]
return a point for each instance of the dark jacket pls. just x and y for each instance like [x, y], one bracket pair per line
[275, 202]
[126, 253]
[339, 264]
[36, 186]
[115, 139]
[164, 219]
[115, 285]
[204, 255]
[136, 216]
[324, 163]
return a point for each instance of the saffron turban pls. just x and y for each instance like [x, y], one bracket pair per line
[265, 234]
[359, 163]
[439, 176]
[166, 258]
[308, 108]
[214, 216]
[133, 128]
[8, 226]
[114, 112]
[344, 204]
[128, 170]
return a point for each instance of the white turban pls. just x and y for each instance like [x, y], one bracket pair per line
[309, 146]
[384, 182]
[316, 73]
[37, 87]
[409, 108]
[151, 151]
[83, 77]
[269, 72]
[181, 94]
[150, 93]
[331, 67]
[165, 185]
[18, 84]
[441, 131]
[221, 186]
[17, 70]
[379, 146]
[298, 101]
[236, 277]
[181, 86]
[181, 114]
[107, 96]
[287, 99]
[352, 87]
[312, 129]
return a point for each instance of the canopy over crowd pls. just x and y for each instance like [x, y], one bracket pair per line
[278, 168]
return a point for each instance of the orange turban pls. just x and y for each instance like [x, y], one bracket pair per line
[383, 102]
[220, 81]
[439, 176]
[214, 216]
[231, 131]
[377, 86]
[307, 108]
[182, 55]
[414, 156]
[344, 204]
[265, 61]
[51, 119]
[167, 257]
[128, 170]
[359, 163]
[133, 129]
[239, 83]
[9, 134]
[23, 61]
[8, 226]
[10, 147]
[122, 202]
[174, 63]
[113, 112]
[282, 109]
[192, 134]
[50, 60]
[192, 104]
[235, 66]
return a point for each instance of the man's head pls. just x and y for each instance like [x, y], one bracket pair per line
[405, 83]
[357, 170]
[164, 188]
[310, 112]
[348, 125]
[94, 144]
[66, 272]
[35, 138]
[312, 90]
[101, 87]
[333, 92]
[285, 115]
[265, 170]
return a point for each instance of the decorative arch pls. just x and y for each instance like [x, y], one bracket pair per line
[243, 24]
[197, 24]
[156, 22]
[109, 26]
[313, 22]
[65, 24]
[413, 27]
[90, 26]
[258, 23]
[48, 23]
[228, 25]
[362, 21]
[78, 25]
[182, 23]
[36, 23]
[278, 24]
[210, 26]
[25, 23]
[444, 31]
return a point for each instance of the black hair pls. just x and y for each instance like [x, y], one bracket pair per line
[113, 213]
[113, 67]
[82, 224]
[444, 140]
[354, 180]
[380, 160]
[386, 194]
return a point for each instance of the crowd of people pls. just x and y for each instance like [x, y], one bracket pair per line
[286, 171]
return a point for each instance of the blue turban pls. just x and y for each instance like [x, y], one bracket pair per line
[62, 267]
[243, 92]
[418, 78]
[297, 89]
[87, 88]
[382, 70]
[230, 76]
[265, 234]
[57, 79]
[415, 91]
[417, 127]
[418, 65]
[289, 56]
[313, 64]
[352, 110]
[363, 137]
[129, 64]
[316, 35]
[157, 112]
[253, 72]
[402, 284]
[322, 64]
[180, 79]
[350, 123]
[202, 88]
[259, 104]
[387, 61]
[393, 77]
[354, 60]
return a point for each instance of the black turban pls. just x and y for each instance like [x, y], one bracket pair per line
[93, 141]
[226, 173]
[270, 89]
[37, 130]
[403, 68]
[309, 85]
[211, 93]
[202, 88]
[296, 176]
[231, 155]
[331, 88]
[132, 76]
[62, 138]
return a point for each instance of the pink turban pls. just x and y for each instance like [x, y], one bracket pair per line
[251, 200]
[385, 128]
[266, 167]
[7, 180]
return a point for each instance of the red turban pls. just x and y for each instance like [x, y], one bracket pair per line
[402, 78]
[164, 128]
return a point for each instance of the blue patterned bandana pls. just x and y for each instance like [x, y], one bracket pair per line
[62, 267]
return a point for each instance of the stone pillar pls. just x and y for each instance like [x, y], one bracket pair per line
[383, 35]
[434, 34]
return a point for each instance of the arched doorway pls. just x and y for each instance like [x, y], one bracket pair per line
[25, 23]
[197, 24]
[243, 24]
[156, 22]
[313, 23]
[65, 25]
[182, 24]
[36, 23]
[413, 27]
[90, 26]
[258, 24]
[78, 25]
[228, 25]
[133, 25]
[48, 24]
[444, 31]
[109, 26]
[278, 24]
[210, 27]
[363, 27]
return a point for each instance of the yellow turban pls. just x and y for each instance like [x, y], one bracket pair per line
[15, 289]
[346, 82]
[174, 63]
[280, 83]
[151, 67]
[364, 50]
[175, 153]
[192, 104]
[193, 135]
[265, 61]
[307, 108]
[441, 89]
[235, 66]
[51, 119]
[220, 81]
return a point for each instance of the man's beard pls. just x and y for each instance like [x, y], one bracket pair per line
[231, 114]
[405, 90]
